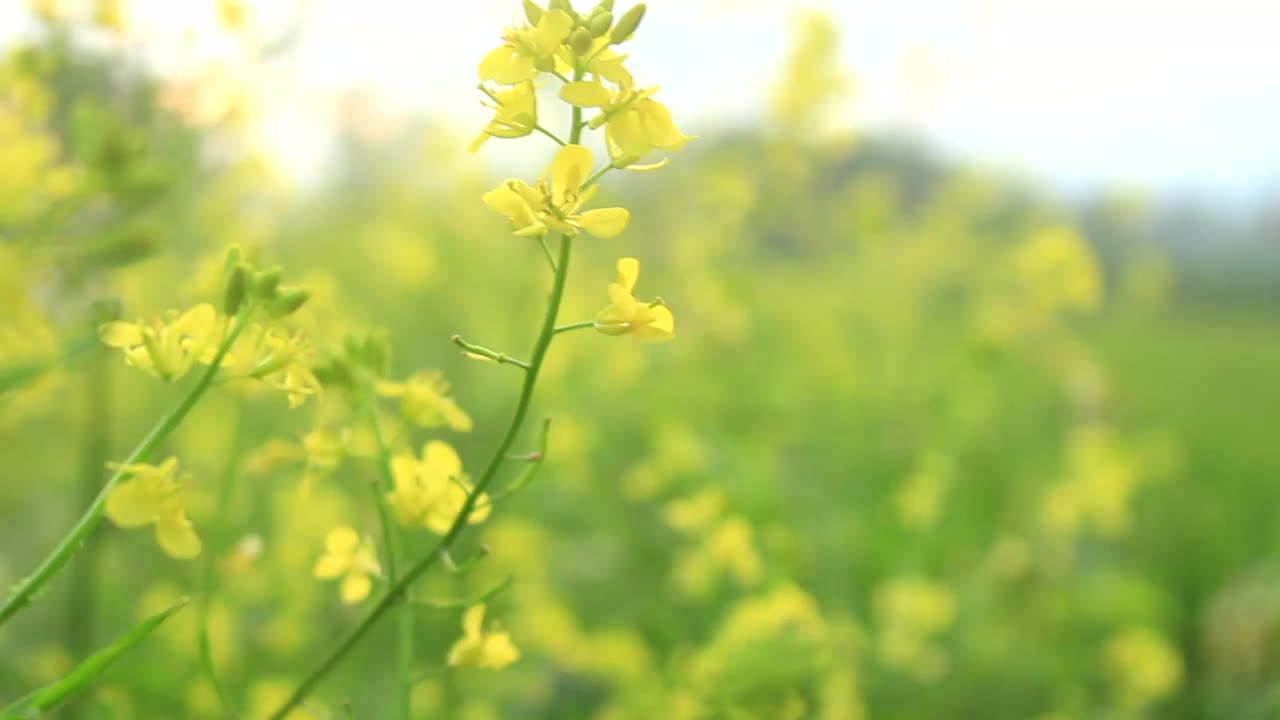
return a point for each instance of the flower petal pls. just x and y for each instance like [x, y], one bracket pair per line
[177, 537]
[604, 222]
[355, 587]
[585, 94]
[661, 328]
[342, 540]
[473, 620]
[571, 166]
[130, 505]
[628, 272]
[441, 460]
[120, 334]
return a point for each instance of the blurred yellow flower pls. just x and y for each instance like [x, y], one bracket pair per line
[424, 401]
[515, 113]
[166, 349]
[232, 14]
[1142, 666]
[151, 495]
[432, 490]
[493, 650]
[527, 50]
[554, 205]
[347, 557]
[625, 314]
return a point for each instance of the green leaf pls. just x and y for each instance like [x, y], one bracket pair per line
[49, 697]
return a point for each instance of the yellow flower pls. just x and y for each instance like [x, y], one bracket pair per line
[166, 349]
[233, 14]
[515, 113]
[625, 314]
[151, 495]
[432, 491]
[110, 15]
[555, 205]
[525, 51]
[346, 556]
[477, 648]
[635, 123]
[424, 401]
[278, 359]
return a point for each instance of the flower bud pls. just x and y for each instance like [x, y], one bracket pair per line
[580, 41]
[532, 11]
[565, 6]
[265, 283]
[232, 259]
[288, 301]
[599, 24]
[604, 6]
[233, 295]
[377, 352]
[627, 25]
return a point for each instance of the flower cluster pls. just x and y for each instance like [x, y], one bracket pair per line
[578, 50]
[170, 347]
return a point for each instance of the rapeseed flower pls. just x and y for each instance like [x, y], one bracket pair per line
[152, 496]
[493, 650]
[526, 51]
[424, 401]
[348, 557]
[635, 124]
[166, 349]
[515, 113]
[432, 490]
[555, 203]
[625, 314]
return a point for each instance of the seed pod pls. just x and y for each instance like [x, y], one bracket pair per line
[532, 11]
[288, 301]
[580, 41]
[265, 283]
[233, 295]
[599, 24]
[627, 25]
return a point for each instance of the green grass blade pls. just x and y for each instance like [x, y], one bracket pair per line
[49, 697]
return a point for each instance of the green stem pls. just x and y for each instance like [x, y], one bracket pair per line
[80, 607]
[74, 539]
[399, 590]
[393, 547]
[575, 326]
[204, 645]
[550, 134]
[594, 177]
[500, 358]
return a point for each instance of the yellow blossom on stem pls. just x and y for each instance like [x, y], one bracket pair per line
[526, 51]
[152, 496]
[652, 321]
[347, 557]
[493, 650]
[635, 124]
[432, 490]
[166, 349]
[515, 113]
[425, 401]
[555, 204]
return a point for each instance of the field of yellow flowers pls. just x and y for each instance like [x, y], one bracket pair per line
[771, 423]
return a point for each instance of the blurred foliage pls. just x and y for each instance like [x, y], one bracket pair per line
[928, 444]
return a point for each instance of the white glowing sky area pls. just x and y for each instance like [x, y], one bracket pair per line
[1168, 95]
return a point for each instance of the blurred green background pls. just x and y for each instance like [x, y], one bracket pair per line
[932, 441]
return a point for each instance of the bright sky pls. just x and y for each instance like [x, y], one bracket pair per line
[1173, 95]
